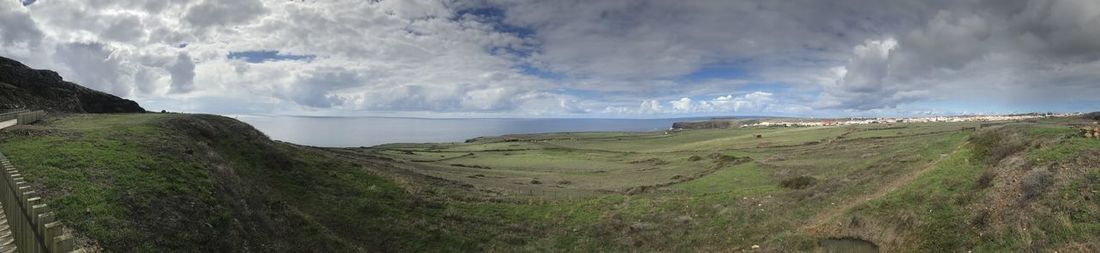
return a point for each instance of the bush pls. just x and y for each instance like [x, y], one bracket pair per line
[800, 182]
[980, 218]
[986, 180]
[992, 146]
[1035, 182]
[694, 158]
[721, 158]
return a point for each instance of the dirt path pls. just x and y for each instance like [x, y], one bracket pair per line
[827, 215]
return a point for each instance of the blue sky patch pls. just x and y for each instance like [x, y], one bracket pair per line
[527, 69]
[716, 72]
[260, 56]
[496, 17]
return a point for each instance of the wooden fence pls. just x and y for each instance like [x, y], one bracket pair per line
[22, 117]
[26, 224]
[32, 227]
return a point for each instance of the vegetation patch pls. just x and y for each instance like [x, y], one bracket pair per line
[1035, 182]
[991, 146]
[799, 182]
[166, 182]
[207, 183]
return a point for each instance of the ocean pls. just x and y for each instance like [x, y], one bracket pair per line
[371, 131]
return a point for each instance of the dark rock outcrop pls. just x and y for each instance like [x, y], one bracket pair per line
[1092, 115]
[713, 124]
[24, 87]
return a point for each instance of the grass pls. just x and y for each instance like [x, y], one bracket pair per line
[154, 182]
[97, 171]
[930, 202]
[740, 180]
[725, 207]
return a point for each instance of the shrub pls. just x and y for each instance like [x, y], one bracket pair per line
[992, 146]
[800, 182]
[985, 180]
[721, 158]
[980, 218]
[1035, 182]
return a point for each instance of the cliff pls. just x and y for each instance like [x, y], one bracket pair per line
[712, 124]
[24, 87]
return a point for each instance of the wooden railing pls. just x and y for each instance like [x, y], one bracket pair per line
[5, 111]
[33, 227]
[30, 226]
[22, 117]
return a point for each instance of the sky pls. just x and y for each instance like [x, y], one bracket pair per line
[570, 58]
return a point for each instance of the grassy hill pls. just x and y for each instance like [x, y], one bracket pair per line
[155, 182]
[160, 182]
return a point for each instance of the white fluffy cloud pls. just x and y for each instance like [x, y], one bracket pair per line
[755, 102]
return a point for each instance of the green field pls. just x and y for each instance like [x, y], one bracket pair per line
[673, 192]
[927, 187]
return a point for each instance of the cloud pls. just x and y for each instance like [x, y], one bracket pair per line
[220, 13]
[754, 102]
[626, 39]
[92, 66]
[183, 74]
[1009, 52]
[16, 26]
[684, 104]
[571, 57]
[650, 107]
[865, 84]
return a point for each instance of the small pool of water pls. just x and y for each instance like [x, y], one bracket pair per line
[847, 245]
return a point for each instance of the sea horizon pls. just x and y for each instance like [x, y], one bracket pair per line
[367, 131]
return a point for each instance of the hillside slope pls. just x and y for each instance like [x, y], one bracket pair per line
[24, 87]
[922, 187]
[202, 183]
[173, 182]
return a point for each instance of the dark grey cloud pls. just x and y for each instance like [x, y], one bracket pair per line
[183, 74]
[91, 65]
[626, 39]
[16, 26]
[1015, 51]
[218, 12]
[125, 28]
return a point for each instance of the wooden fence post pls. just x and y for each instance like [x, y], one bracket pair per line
[31, 227]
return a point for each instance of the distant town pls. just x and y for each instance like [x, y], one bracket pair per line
[867, 121]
